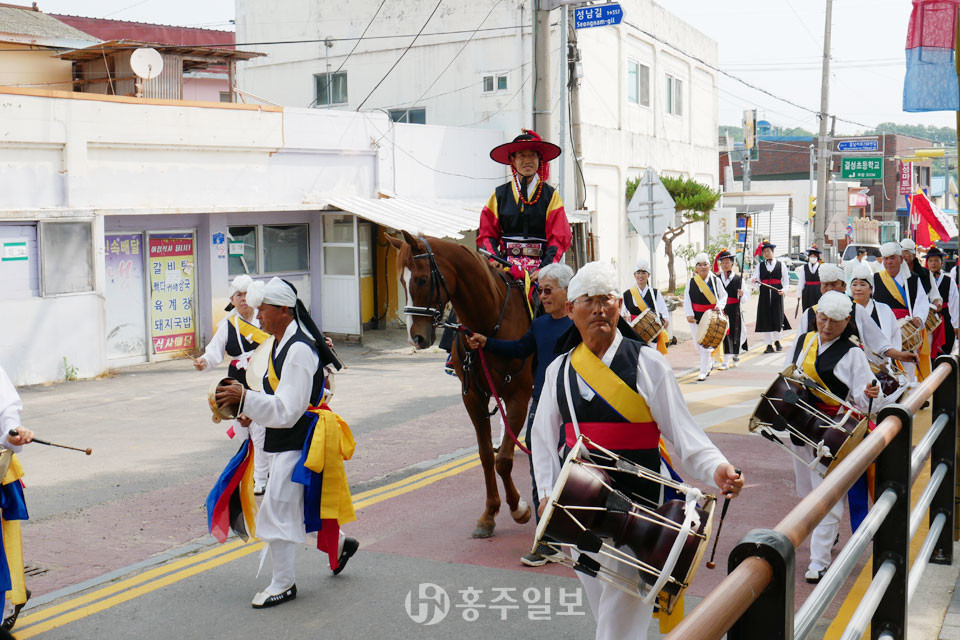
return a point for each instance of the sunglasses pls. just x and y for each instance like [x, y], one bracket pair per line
[546, 290]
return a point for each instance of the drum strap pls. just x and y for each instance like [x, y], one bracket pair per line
[566, 389]
[249, 331]
[809, 366]
[704, 289]
[638, 299]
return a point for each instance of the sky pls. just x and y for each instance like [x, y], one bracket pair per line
[773, 44]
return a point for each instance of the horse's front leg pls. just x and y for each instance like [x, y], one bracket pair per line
[516, 415]
[477, 409]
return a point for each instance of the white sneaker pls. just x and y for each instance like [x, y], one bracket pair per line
[813, 576]
[701, 377]
[722, 366]
[259, 488]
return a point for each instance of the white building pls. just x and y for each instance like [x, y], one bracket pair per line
[646, 99]
[123, 220]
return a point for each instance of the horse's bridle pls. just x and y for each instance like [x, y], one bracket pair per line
[438, 289]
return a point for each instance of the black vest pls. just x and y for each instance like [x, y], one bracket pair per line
[624, 364]
[811, 291]
[880, 293]
[632, 306]
[827, 361]
[923, 274]
[236, 346]
[731, 288]
[776, 274]
[291, 439]
[697, 297]
[519, 220]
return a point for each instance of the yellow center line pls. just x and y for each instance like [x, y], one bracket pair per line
[149, 581]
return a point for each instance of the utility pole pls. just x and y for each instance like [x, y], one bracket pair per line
[573, 62]
[562, 138]
[541, 61]
[824, 144]
[746, 169]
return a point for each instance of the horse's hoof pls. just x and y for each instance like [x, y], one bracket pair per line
[522, 513]
[483, 531]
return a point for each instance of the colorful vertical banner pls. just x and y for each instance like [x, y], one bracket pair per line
[930, 83]
[172, 286]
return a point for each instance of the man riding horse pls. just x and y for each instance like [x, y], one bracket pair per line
[524, 221]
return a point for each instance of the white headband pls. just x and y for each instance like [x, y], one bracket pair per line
[862, 272]
[278, 293]
[240, 283]
[701, 258]
[888, 249]
[642, 265]
[908, 245]
[831, 273]
[593, 279]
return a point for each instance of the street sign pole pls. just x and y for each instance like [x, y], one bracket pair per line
[650, 211]
[652, 237]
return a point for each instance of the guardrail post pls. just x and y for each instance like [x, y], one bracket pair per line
[771, 615]
[892, 540]
[945, 450]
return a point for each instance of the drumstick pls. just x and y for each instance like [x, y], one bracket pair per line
[723, 514]
[14, 432]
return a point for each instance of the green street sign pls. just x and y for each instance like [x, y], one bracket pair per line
[867, 168]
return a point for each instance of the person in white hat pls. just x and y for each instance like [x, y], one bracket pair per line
[704, 291]
[292, 393]
[596, 351]
[828, 356]
[912, 264]
[949, 312]
[638, 299]
[861, 286]
[237, 336]
[873, 338]
[901, 290]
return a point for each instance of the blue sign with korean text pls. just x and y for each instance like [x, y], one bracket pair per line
[602, 15]
[858, 145]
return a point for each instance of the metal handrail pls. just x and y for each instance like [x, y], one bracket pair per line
[729, 600]
[860, 619]
[923, 558]
[923, 502]
[828, 587]
[923, 447]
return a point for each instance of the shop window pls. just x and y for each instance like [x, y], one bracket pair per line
[245, 261]
[286, 248]
[66, 257]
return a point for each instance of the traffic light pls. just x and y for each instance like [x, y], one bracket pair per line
[813, 206]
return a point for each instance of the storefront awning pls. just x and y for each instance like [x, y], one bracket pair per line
[439, 218]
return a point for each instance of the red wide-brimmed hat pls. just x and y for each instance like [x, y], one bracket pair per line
[526, 141]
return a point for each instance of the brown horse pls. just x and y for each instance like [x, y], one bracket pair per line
[435, 272]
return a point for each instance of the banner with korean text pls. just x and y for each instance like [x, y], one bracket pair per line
[173, 326]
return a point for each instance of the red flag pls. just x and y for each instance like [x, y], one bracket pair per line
[929, 214]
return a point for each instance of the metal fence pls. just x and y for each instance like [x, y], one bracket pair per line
[756, 599]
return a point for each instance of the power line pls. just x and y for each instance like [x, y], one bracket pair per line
[409, 46]
[355, 45]
[455, 56]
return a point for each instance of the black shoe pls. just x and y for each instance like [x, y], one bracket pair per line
[12, 620]
[350, 546]
[777, 345]
[836, 540]
[769, 349]
[262, 600]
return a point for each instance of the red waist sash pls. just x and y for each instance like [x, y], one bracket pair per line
[702, 307]
[900, 313]
[617, 435]
[811, 283]
[773, 281]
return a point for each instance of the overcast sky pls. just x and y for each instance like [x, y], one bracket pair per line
[774, 44]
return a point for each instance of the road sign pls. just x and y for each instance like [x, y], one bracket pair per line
[651, 210]
[858, 145]
[602, 15]
[870, 168]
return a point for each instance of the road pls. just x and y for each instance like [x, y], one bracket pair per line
[117, 546]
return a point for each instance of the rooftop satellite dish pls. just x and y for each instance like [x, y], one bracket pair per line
[147, 63]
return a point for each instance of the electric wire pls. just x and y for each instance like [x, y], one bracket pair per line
[355, 45]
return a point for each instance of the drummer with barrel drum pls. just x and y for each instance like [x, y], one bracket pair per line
[645, 309]
[703, 302]
[616, 396]
[903, 292]
[829, 358]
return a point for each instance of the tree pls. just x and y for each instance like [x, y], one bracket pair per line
[693, 202]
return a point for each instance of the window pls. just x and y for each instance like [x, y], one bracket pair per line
[644, 85]
[638, 83]
[338, 249]
[242, 250]
[19, 276]
[66, 257]
[225, 96]
[269, 248]
[286, 248]
[494, 83]
[415, 116]
[673, 95]
[331, 88]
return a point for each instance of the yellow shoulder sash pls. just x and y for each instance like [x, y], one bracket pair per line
[892, 287]
[811, 343]
[608, 385]
[638, 299]
[704, 289]
[248, 331]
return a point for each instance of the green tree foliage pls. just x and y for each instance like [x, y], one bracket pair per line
[945, 135]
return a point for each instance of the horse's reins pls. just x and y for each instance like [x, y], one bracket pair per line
[493, 389]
